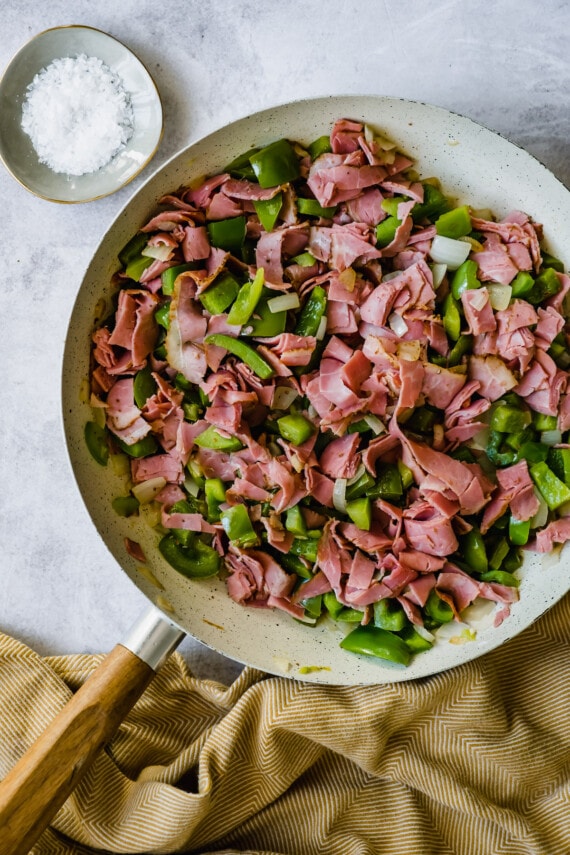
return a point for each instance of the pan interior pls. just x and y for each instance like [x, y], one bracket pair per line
[476, 167]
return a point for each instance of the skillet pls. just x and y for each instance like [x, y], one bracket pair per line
[477, 167]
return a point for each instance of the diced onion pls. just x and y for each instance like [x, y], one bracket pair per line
[499, 295]
[320, 334]
[449, 251]
[375, 424]
[191, 487]
[147, 490]
[424, 633]
[283, 397]
[438, 272]
[397, 324]
[339, 495]
[359, 473]
[481, 439]
[161, 252]
[283, 303]
[541, 516]
[392, 275]
[551, 437]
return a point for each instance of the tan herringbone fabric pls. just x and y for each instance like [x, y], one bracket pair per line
[475, 761]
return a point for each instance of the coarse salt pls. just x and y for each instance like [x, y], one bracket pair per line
[77, 114]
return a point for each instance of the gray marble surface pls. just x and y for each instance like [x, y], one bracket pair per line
[504, 64]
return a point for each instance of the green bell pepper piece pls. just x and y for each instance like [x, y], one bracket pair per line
[96, 441]
[391, 204]
[295, 521]
[499, 554]
[125, 506]
[247, 299]
[276, 164]
[416, 642]
[554, 491]
[144, 386]
[197, 561]
[461, 348]
[228, 234]
[360, 486]
[306, 548]
[312, 312]
[494, 453]
[551, 261]
[386, 231]
[451, 317]
[360, 512]
[145, 446]
[305, 259]
[212, 438]
[455, 223]
[546, 285]
[519, 531]
[348, 615]
[389, 614]
[433, 205]
[137, 266]
[169, 276]
[406, 475]
[220, 294]
[322, 145]
[215, 493]
[295, 428]
[332, 605]
[373, 641]
[508, 418]
[238, 527]
[243, 351]
[543, 422]
[162, 315]
[501, 577]
[240, 167]
[465, 277]
[264, 323]
[267, 210]
[438, 610]
[133, 248]
[313, 606]
[474, 551]
[522, 284]
[312, 208]
[388, 484]
[532, 452]
[559, 461]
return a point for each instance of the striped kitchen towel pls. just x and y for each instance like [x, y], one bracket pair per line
[473, 761]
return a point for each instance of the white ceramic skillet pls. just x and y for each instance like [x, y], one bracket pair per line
[476, 167]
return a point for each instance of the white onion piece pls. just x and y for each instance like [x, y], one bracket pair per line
[283, 397]
[320, 334]
[424, 633]
[449, 251]
[359, 472]
[161, 252]
[438, 272]
[499, 295]
[541, 516]
[397, 324]
[191, 487]
[393, 275]
[283, 303]
[481, 439]
[147, 490]
[339, 495]
[551, 437]
[375, 424]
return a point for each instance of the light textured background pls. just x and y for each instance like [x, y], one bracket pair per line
[503, 64]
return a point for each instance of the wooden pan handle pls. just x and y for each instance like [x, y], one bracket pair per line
[40, 782]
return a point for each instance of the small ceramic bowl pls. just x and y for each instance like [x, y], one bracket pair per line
[16, 149]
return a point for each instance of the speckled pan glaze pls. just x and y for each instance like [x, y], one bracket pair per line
[474, 165]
